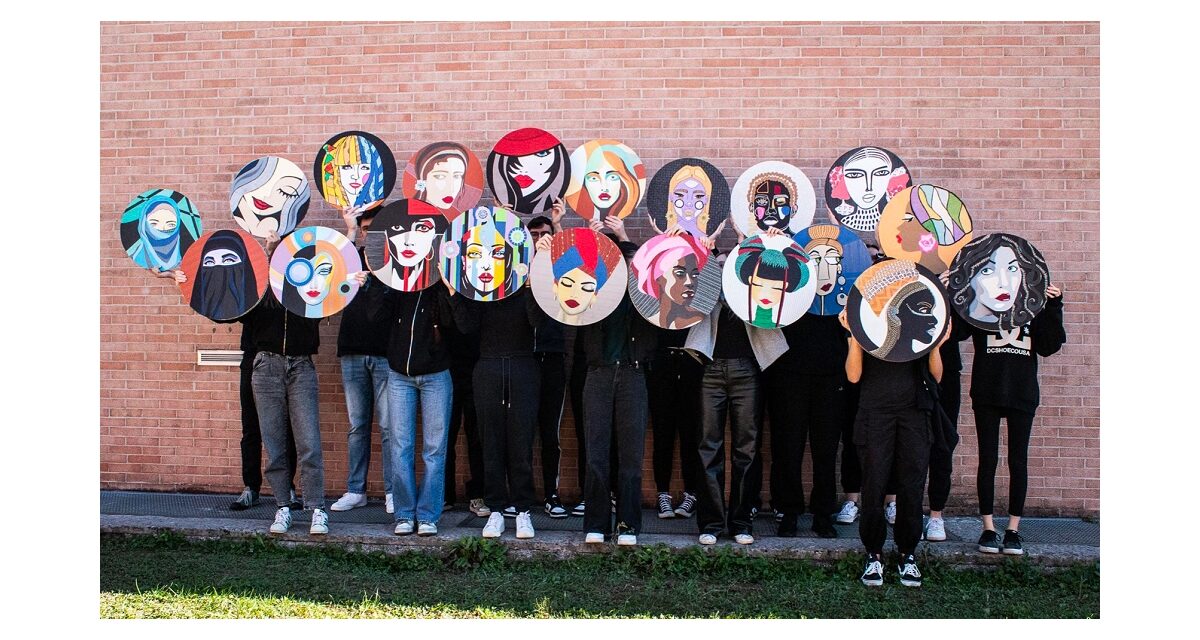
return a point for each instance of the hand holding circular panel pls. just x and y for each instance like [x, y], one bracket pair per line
[860, 184]
[674, 281]
[998, 282]
[485, 254]
[402, 242]
[925, 224]
[529, 169]
[688, 193]
[354, 169]
[607, 179]
[446, 175]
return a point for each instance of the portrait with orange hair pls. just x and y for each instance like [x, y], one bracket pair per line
[897, 310]
[312, 272]
[581, 279]
[690, 194]
[607, 179]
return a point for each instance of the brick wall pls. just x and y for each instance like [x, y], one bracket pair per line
[1004, 114]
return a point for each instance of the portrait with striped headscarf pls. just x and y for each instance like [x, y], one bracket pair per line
[581, 279]
[925, 224]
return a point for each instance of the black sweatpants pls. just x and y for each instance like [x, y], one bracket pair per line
[804, 408]
[888, 439]
[462, 418]
[550, 409]
[252, 435]
[941, 465]
[987, 427]
[851, 469]
[506, 401]
[615, 408]
[673, 381]
[730, 388]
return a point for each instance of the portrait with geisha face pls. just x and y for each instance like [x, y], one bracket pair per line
[691, 194]
[998, 282]
[897, 311]
[767, 281]
[485, 254]
[836, 257]
[607, 179]
[354, 169]
[402, 242]
[446, 175]
[581, 279]
[312, 272]
[860, 183]
[267, 195]
[925, 224]
[772, 195]
[529, 169]
[674, 281]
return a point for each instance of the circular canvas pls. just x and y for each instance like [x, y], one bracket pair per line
[836, 257]
[354, 169]
[157, 228]
[689, 193]
[925, 224]
[607, 179]
[768, 282]
[226, 274]
[674, 281]
[401, 245]
[269, 194]
[528, 169]
[312, 272]
[581, 279]
[772, 194]
[859, 185]
[998, 282]
[897, 311]
[485, 253]
[447, 175]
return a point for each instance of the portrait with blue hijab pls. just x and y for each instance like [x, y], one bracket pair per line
[157, 227]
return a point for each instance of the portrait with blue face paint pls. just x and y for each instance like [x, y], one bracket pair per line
[158, 227]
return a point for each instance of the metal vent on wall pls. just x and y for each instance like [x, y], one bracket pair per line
[218, 358]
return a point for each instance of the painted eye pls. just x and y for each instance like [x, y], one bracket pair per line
[591, 177]
[498, 253]
[423, 227]
[324, 269]
[589, 287]
[474, 254]
[345, 167]
[987, 271]
[230, 259]
[699, 204]
[542, 154]
[881, 172]
[1012, 268]
[209, 262]
[852, 174]
[612, 177]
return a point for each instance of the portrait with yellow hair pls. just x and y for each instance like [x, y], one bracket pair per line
[690, 194]
[354, 169]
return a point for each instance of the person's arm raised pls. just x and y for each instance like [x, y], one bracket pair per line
[854, 356]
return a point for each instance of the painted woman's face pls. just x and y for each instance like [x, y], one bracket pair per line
[998, 282]
[533, 171]
[163, 219]
[483, 263]
[867, 180]
[576, 291]
[444, 182]
[680, 281]
[766, 294]
[603, 185]
[220, 258]
[689, 198]
[917, 321]
[261, 207]
[772, 206]
[353, 178]
[413, 245]
[312, 278]
[826, 262]
[913, 237]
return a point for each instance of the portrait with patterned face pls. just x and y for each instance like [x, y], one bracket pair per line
[158, 227]
[607, 179]
[772, 195]
[836, 257]
[226, 274]
[446, 175]
[401, 247]
[312, 272]
[674, 281]
[925, 224]
[581, 279]
[485, 254]
[354, 169]
[691, 194]
[529, 169]
[269, 194]
[998, 282]
[860, 183]
[897, 311]
[767, 281]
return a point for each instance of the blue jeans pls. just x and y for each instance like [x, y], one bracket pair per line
[286, 387]
[434, 392]
[365, 381]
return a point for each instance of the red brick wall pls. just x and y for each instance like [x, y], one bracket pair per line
[1006, 115]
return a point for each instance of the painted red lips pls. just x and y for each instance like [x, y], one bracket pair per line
[312, 294]
[259, 204]
[523, 180]
[485, 277]
[571, 303]
[1004, 297]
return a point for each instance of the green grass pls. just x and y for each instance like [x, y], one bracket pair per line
[167, 577]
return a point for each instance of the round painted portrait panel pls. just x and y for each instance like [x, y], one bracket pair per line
[312, 272]
[581, 279]
[768, 281]
[269, 194]
[158, 227]
[836, 257]
[402, 242]
[772, 195]
[998, 282]
[691, 194]
[607, 179]
[897, 310]
[860, 184]
[529, 169]
[674, 281]
[354, 169]
[447, 175]
[485, 253]
[226, 274]
[925, 224]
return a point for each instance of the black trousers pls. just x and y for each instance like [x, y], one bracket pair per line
[252, 436]
[506, 402]
[729, 388]
[987, 427]
[804, 409]
[941, 465]
[615, 408]
[550, 408]
[851, 469]
[892, 439]
[579, 371]
[463, 418]
[673, 381]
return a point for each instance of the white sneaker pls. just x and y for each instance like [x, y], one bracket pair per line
[524, 525]
[890, 512]
[494, 526]
[283, 520]
[935, 531]
[320, 523]
[349, 501]
[388, 505]
[427, 529]
[743, 538]
[594, 538]
[849, 512]
[708, 538]
[626, 540]
[404, 527]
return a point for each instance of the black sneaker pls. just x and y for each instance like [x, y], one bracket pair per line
[823, 527]
[687, 507]
[1012, 543]
[753, 512]
[510, 511]
[665, 509]
[787, 525]
[910, 575]
[578, 510]
[989, 542]
[872, 574]
[247, 499]
[555, 509]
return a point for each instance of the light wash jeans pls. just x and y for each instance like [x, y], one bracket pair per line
[287, 386]
[434, 393]
[365, 380]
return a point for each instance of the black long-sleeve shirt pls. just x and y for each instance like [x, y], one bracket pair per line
[1004, 373]
[363, 333]
[816, 346]
[505, 327]
[418, 343]
[272, 328]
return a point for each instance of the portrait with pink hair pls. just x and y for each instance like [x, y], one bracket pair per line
[673, 281]
[860, 183]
